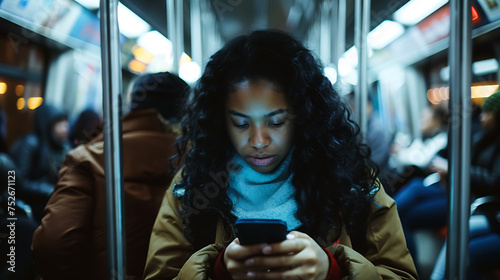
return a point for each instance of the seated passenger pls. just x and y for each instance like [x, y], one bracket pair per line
[20, 267]
[413, 160]
[378, 139]
[87, 126]
[39, 156]
[71, 241]
[270, 138]
[424, 206]
[484, 228]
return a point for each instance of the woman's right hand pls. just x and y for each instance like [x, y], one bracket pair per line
[297, 257]
[235, 256]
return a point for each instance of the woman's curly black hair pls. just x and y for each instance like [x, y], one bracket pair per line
[333, 176]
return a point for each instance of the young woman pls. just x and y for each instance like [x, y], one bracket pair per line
[266, 136]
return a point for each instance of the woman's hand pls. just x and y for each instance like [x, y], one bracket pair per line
[298, 257]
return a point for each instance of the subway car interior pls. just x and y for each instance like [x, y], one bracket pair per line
[396, 60]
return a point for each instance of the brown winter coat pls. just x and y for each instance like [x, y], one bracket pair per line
[70, 243]
[171, 255]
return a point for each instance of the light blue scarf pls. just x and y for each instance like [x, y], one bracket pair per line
[264, 196]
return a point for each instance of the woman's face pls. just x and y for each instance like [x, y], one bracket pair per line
[259, 123]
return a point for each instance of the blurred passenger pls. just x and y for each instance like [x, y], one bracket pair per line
[86, 127]
[380, 142]
[3, 131]
[271, 139]
[11, 202]
[423, 204]
[407, 162]
[378, 139]
[484, 228]
[71, 241]
[39, 155]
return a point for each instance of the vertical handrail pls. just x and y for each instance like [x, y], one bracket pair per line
[196, 39]
[175, 29]
[111, 81]
[361, 26]
[340, 15]
[460, 139]
[325, 39]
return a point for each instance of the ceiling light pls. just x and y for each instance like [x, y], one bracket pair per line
[155, 43]
[34, 102]
[136, 66]
[331, 74]
[20, 103]
[416, 10]
[190, 72]
[3, 88]
[483, 91]
[485, 66]
[142, 54]
[384, 34]
[131, 25]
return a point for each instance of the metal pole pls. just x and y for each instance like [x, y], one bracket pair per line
[341, 27]
[460, 107]
[362, 24]
[196, 41]
[175, 30]
[179, 39]
[334, 37]
[325, 38]
[111, 81]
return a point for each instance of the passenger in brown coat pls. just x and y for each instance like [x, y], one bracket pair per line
[71, 240]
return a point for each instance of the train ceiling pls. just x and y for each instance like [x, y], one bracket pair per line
[236, 17]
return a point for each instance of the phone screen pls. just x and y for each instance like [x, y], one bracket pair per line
[254, 231]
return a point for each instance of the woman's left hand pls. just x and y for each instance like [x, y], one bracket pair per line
[298, 257]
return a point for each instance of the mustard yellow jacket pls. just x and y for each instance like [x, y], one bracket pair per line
[172, 256]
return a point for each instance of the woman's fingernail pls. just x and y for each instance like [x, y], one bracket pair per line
[250, 274]
[290, 236]
[249, 262]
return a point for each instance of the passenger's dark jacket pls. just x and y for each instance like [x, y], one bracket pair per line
[171, 255]
[38, 157]
[485, 166]
[71, 240]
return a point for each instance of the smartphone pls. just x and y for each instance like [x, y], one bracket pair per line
[254, 231]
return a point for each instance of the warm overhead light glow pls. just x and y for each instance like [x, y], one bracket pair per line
[142, 54]
[89, 4]
[432, 96]
[444, 93]
[34, 102]
[483, 91]
[436, 95]
[384, 34]
[19, 90]
[130, 24]
[3, 88]
[155, 43]
[20, 103]
[184, 59]
[190, 72]
[416, 10]
[331, 74]
[136, 66]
